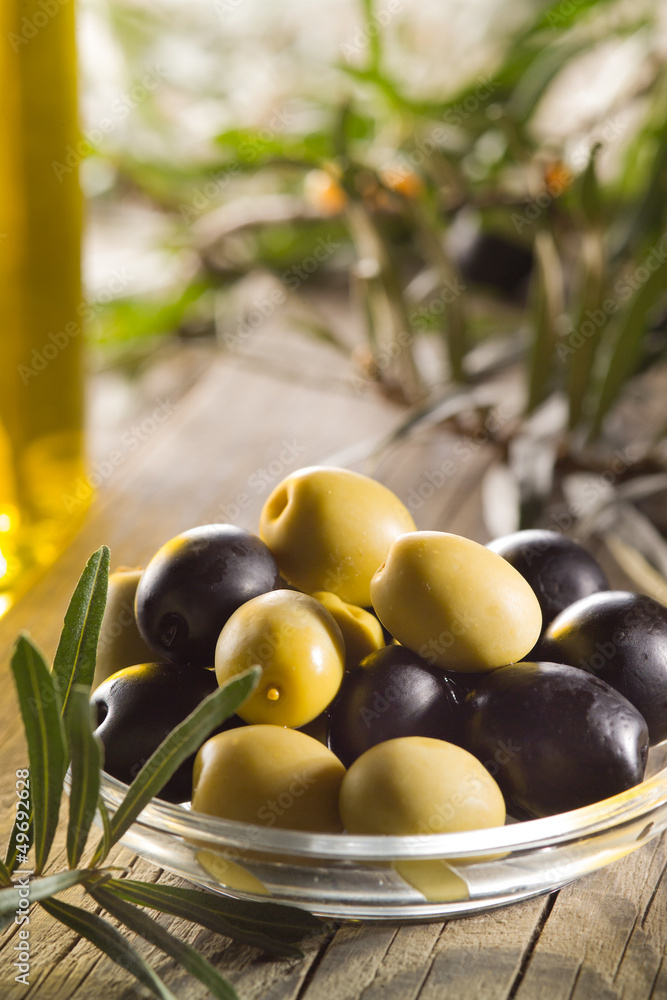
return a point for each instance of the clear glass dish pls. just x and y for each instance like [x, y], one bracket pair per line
[398, 878]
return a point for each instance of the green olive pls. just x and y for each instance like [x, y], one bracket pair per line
[455, 603]
[362, 632]
[418, 785]
[269, 776]
[120, 644]
[300, 649]
[329, 529]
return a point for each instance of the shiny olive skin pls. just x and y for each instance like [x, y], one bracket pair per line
[454, 602]
[301, 652]
[392, 693]
[559, 570]
[269, 776]
[554, 737]
[140, 705]
[361, 630]
[330, 529]
[120, 644]
[417, 785]
[194, 583]
[622, 638]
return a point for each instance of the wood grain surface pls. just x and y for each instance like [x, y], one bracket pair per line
[602, 938]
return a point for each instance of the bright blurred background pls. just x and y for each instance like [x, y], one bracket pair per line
[420, 147]
[430, 201]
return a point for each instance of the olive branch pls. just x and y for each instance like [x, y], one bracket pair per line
[58, 727]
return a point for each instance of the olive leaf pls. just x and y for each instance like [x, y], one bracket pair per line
[5, 874]
[105, 843]
[625, 353]
[139, 922]
[270, 926]
[109, 940]
[47, 748]
[74, 661]
[181, 742]
[86, 760]
[547, 306]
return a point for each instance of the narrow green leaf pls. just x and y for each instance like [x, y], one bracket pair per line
[547, 62]
[74, 661]
[86, 755]
[105, 937]
[590, 194]
[184, 740]
[547, 306]
[39, 888]
[453, 288]
[45, 734]
[153, 932]
[629, 333]
[5, 874]
[271, 926]
[582, 343]
[105, 843]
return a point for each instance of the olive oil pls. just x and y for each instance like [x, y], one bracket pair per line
[41, 393]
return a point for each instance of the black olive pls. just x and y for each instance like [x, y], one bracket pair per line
[138, 706]
[559, 570]
[194, 583]
[391, 693]
[493, 260]
[554, 737]
[622, 638]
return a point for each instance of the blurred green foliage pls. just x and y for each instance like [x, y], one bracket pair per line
[458, 217]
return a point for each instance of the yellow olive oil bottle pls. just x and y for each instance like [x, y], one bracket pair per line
[41, 307]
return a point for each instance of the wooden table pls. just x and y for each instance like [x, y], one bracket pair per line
[601, 938]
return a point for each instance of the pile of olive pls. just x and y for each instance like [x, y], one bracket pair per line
[412, 681]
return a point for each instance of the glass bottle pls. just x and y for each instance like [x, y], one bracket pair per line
[41, 305]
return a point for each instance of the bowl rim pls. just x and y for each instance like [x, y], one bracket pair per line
[611, 814]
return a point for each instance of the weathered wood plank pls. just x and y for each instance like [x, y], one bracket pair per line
[479, 958]
[595, 943]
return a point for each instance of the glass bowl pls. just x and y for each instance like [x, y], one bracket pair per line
[403, 878]
[398, 878]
